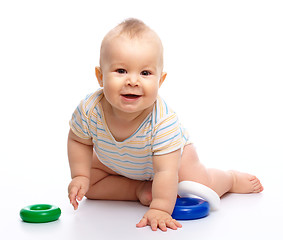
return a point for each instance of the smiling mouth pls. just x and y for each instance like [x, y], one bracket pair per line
[131, 96]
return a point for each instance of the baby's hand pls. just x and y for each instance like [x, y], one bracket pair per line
[77, 189]
[157, 218]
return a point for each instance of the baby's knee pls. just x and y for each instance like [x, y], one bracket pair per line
[197, 173]
[89, 196]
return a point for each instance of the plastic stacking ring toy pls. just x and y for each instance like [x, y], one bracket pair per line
[40, 213]
[190, 208]
[186, 188]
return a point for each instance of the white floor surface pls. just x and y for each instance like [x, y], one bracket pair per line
[252, 216]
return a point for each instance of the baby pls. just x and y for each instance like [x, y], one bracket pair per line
[125, 143]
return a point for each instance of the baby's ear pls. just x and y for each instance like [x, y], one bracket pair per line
[99, 76]
[162, 78]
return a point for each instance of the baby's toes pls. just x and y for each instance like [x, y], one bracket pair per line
[257, 187]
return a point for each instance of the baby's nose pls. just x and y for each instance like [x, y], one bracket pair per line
[133, 80]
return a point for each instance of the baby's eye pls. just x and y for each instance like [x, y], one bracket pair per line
[145, 73]
[121, 71]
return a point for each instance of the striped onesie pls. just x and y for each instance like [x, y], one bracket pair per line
[160, 133]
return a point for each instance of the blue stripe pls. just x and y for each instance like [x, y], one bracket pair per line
[75, 119]
[93, 134]
[80, 127]
[167, 126]
[101, 129]
[126, 173]
[156, 112]
[143, 136]
[186, 138]
[146, 134]
[97, 112]
[166, 106]
[79, 111]
[93, 122]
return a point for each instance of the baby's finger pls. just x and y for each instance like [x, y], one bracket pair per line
[142, 223]
[154, 225]
[72, 196]
[162, 226]
[171, 225]
[73, 193]
[179, 225]
[81, 193]
[75, 204]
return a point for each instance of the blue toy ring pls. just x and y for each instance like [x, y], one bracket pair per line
[40, 213]
[190, 208]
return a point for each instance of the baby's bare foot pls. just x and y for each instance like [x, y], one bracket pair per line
[245, 183]
[144, 193]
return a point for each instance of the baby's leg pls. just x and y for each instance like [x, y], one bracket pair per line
[220, 181]
[105, 184]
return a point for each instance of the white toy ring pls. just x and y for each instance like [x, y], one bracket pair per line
[188, 187]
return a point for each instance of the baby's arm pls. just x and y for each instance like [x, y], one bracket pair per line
[164, 193]
[80, 152]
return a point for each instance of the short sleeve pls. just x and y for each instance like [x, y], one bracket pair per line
[167, 136]
[79, 122]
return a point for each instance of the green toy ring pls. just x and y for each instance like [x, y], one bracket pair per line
[40, 213]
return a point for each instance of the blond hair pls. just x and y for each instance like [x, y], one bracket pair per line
[132, 28]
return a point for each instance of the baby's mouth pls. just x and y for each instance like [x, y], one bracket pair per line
[131, 96]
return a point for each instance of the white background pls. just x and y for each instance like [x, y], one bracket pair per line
[224, 62]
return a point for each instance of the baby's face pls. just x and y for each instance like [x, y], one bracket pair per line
[131, 72]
